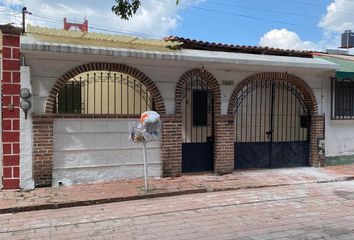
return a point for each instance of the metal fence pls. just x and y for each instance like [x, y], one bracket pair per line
[271, 110]
[103, 93]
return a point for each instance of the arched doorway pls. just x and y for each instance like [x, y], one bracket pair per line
[272, 121]
[197, 100]
[197, 127]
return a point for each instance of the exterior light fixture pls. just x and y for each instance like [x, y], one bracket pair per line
[25, 93]
[25, 104]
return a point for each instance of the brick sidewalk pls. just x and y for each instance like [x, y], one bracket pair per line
[124, 190]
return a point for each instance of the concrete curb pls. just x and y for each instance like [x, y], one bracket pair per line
[49, 206]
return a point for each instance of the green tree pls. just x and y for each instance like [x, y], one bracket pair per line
[125, 9]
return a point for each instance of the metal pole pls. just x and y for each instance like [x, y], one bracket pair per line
[145, 168]
[24, 10]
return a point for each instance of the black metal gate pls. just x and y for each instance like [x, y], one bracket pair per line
[104, 92]
[272, 126]
[198, 122]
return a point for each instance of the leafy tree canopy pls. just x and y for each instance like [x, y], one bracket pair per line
[125, 9]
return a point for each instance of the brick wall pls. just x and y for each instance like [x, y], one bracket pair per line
[42, 151]
[317, 127]
[10, 106]
[224, 144]
[208, 78]
[171, 145]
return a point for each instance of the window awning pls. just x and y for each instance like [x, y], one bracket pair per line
[346, 65]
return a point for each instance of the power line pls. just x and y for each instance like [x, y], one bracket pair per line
[259, 9]
[308, 3]
[249, 16]
[10, 15]
[50, 19]
[99, 27]
[297, 2]
[14, 12]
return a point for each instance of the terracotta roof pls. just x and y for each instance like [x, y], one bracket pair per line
[9, 29]
[339, 56]
[202, 45]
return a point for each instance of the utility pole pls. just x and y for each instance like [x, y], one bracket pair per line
[348, 41]
[24, 12]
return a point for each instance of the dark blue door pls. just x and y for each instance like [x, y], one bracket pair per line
[197, 111]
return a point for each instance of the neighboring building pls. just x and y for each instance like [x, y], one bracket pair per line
[339, 121]
[223, 107]
[347, 39]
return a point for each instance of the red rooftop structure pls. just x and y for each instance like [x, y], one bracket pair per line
[83, 27]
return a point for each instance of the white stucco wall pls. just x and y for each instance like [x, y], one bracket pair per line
[339, 137]
[48, 67]
[93, 150]
[339, 133]
[26, 164]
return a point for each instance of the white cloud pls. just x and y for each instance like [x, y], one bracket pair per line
[155, 17]
[339, 16]
[283, 38]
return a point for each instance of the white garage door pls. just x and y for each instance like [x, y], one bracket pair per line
[92, 150]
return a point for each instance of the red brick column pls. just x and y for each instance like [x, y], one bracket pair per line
[224, 144]
[42, 151]
[10, 106]
[316, 131]
[171, 145]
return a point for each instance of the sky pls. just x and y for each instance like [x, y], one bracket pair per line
[288, 24]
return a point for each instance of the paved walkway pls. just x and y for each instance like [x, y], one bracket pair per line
[124, 190]
[295, 212]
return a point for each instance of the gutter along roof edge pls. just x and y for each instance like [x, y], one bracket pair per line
[186, 55]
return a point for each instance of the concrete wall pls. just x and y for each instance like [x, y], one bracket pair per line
[26, 163]
[91, 150]
[339, 133]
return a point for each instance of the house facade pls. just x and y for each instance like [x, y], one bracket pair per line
[223, 107]
[339, 120]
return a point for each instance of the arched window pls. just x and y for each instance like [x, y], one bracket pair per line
[103, 92]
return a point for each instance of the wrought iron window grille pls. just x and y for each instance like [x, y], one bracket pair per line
[342, 99]
[103, 93]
